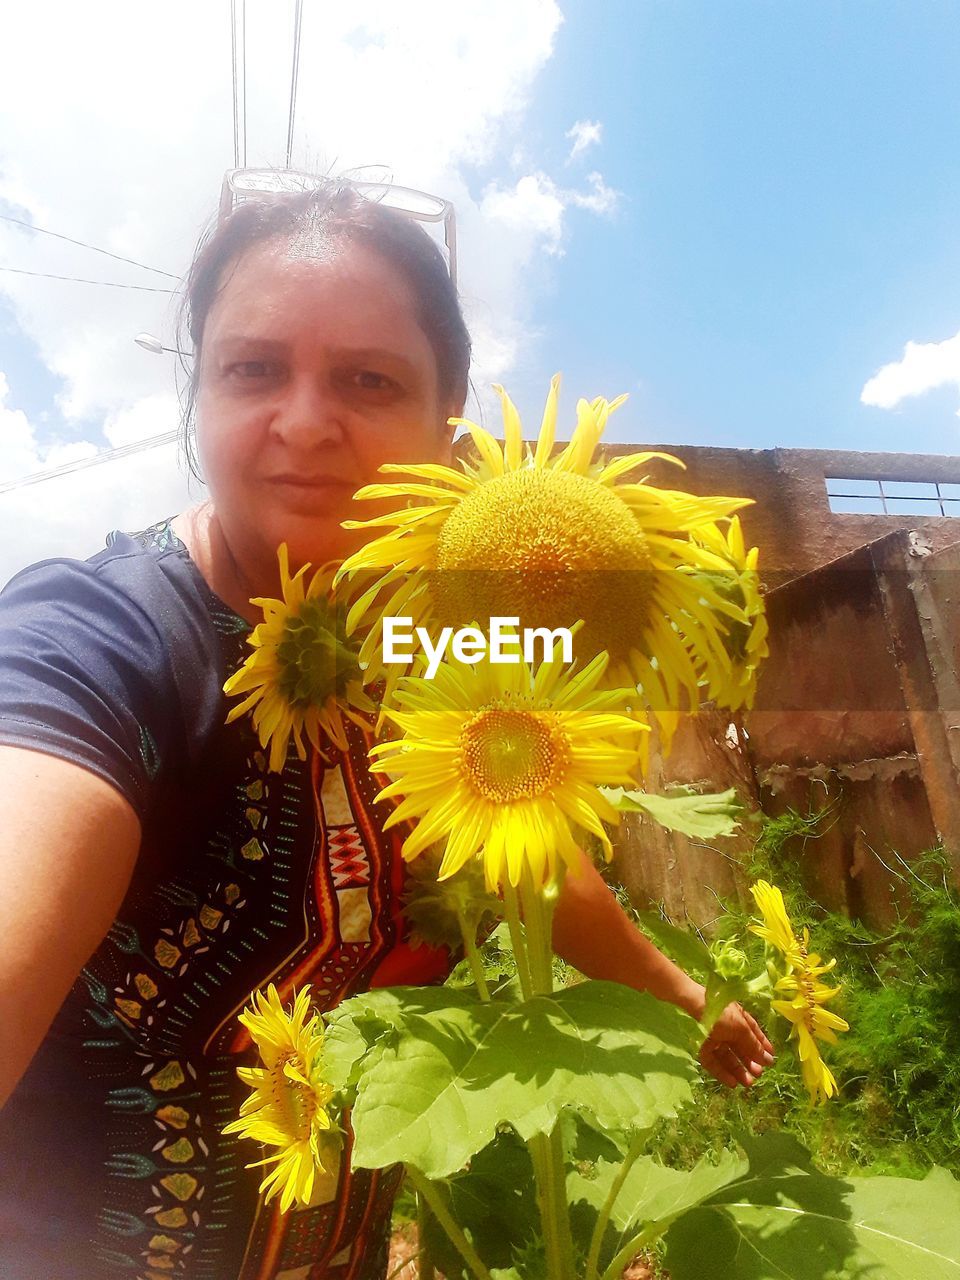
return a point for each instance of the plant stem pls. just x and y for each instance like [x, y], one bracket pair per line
[424, 1260]
[546, 1150]
[615, 1270]
[596, 1240]
[473, 955]
[443, 1215]
[538, 918]
[511, 907]
[559, 1260]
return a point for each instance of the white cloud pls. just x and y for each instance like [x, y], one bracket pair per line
[21, 455]
[70, 515]
[584, 134]
[924, 367]
[115, 128]
[599, 199]
[535, 206]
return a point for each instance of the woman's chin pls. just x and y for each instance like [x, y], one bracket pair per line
[314, 539]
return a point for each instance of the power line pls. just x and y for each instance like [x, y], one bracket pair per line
[107, 284]
[239, 81]
[243, 74]
[108, 455]
[6, 217]
[294, 77]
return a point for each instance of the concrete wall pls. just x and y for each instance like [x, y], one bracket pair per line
[857, 712]
[792, 522]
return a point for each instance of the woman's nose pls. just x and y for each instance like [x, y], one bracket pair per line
[309, 413]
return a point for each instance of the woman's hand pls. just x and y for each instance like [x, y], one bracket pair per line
[736, 1050]
[592, 932]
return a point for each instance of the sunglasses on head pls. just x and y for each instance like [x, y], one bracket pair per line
[243, 184]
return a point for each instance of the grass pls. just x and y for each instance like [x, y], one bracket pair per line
[899, 1065]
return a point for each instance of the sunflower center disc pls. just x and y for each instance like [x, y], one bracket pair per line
[549, 547]
[315, 661]
[508, 754]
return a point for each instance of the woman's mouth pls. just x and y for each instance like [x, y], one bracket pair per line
[330, 483]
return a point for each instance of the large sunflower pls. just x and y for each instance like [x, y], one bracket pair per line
[660, 578]
[804, 993]
[304, 675]
[287, 1108]
[501, 761]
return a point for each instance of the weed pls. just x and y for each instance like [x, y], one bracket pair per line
[898, 1066]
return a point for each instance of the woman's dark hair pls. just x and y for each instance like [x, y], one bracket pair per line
[333, 212]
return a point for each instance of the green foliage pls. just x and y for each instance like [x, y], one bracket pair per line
[440, 911]
[722, 1188]
[685, 946]
[899, 1065]
[651, 1197]
[500, 966]
[684, 809]
[436, 1071]
[494, 1201]
[780, 835]
[783, 1218]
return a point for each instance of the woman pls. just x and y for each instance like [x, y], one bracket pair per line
[148, 850]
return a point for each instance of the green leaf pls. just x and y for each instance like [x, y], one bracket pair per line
[433, 1093]
[651, 1198]
[653, 1194]
[682, 945]
[346, 1040]
[684, 810]
[494, 1202]
[784, 1220]
[720, 992]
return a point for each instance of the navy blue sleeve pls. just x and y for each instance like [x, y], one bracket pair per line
[87, 672]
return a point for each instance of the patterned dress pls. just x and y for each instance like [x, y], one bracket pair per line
[113, 1163]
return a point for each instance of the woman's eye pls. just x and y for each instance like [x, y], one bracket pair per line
[251, 369]
[369, 380]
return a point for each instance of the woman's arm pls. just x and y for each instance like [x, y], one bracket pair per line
[68, 844]
[592, 932]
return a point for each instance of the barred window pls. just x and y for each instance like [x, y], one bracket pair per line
[848, 496]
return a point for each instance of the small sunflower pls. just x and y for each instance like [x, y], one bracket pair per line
[660, 578]
[500, 762]
[287, 1108]
[805, 994]
[745, 642]
[776, 928]
[304, 675]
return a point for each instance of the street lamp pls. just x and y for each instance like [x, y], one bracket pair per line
[155, 346]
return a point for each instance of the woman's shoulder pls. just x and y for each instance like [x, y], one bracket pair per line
[98, 656]
[146, 578]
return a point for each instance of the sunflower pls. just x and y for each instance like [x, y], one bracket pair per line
[805, 994]
[501, 761]
[660, 578]
[287, 1107]
[776, 928]
[303, 675]
[745, 642]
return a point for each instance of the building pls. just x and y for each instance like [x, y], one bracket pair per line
[858, 705]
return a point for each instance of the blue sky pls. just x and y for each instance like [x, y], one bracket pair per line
[790, 217]
[786, 215]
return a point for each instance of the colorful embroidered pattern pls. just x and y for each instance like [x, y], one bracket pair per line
[285, 878]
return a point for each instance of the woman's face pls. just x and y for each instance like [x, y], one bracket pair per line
[314, 372]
